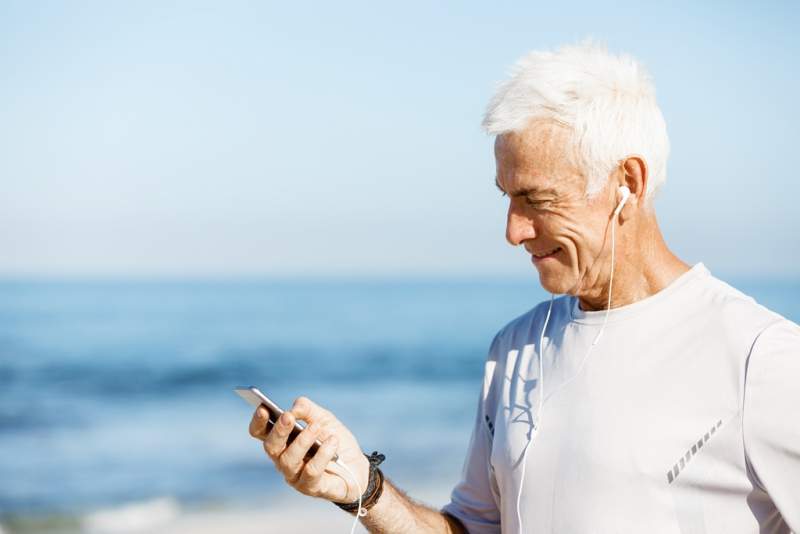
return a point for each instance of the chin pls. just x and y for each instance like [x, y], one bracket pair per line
[557, 275]
[555, 284]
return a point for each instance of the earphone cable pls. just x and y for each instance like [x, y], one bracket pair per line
[361, 512]
[535, 429]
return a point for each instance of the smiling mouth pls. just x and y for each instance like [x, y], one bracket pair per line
[546, 253]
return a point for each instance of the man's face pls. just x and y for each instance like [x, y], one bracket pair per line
[548, 210]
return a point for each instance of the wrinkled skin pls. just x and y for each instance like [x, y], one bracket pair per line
[539, 171]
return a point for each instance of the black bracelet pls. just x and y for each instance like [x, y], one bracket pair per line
[374, 486]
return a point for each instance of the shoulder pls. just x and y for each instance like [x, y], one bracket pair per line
[733, 305]
[518, 332]
[775, 355]
[728, 312]
[526, 328]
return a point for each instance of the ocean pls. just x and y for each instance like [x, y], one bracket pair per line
[114, 393]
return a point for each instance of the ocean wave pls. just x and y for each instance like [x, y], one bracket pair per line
[108, 377]
[133, 517]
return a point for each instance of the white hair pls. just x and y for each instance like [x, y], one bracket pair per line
[607, 101]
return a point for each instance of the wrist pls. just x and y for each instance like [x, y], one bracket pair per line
[363, 473]
[371, 482]
[360, 470]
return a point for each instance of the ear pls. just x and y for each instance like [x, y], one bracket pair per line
[635, 176]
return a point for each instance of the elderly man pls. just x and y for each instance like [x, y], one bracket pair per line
[650, 397]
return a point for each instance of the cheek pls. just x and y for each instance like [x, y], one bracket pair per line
[568, 234]
[581, 244]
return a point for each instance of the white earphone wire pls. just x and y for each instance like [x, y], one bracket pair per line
[540, 385]
[535, 429]
[361, 512]
[625, 194]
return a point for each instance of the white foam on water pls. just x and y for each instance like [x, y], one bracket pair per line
[134, 517]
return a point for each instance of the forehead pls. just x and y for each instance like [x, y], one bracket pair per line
[540, 156]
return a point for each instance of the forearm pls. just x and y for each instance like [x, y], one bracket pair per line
[393, 513]
[396, 513]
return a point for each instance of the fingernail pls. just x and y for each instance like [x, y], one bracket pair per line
[285, 418]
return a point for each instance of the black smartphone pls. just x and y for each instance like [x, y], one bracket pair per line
[256, 398]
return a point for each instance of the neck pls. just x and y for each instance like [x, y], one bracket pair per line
[644, 265]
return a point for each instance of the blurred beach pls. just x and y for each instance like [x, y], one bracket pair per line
[116, 401]
[117, 412]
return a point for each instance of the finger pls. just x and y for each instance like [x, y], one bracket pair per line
[259, 424]
[291, 459]
[307, 410]
[310, 479]
[275, 442]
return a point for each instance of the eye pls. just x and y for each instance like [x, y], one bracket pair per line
[537, 204]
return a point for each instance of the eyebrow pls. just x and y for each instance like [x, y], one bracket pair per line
[525, 191]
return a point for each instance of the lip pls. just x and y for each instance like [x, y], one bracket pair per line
[539, 259]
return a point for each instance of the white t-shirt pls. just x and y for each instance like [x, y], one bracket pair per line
[682, 419]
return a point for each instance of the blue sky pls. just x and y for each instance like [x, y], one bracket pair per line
[336, 138]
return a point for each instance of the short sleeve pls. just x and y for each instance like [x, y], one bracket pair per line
[771, 423]
[472, 501]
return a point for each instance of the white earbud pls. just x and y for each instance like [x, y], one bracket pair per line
[623, 189]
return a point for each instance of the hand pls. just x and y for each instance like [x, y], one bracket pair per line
[317, 476]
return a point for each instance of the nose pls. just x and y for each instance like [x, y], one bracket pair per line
[518, 227]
